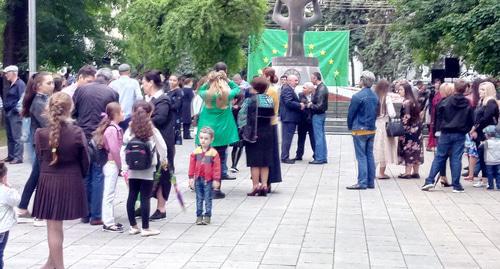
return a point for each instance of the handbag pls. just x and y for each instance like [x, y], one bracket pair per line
[394, 128]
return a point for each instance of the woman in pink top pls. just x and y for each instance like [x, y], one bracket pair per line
[108, 138]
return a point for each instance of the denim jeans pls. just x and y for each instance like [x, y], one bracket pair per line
[94, 183]
[363, 147]
[320, 151]
[223, 159]
[203, 194]
[452, 143]
[30, 186]
[4, 237]
[493, 172]
[14, 129]
[28, 137]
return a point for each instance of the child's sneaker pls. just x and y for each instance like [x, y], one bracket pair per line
[206, 220]
[199, 221]
[134, 231]
[149, 232]
[39, 222]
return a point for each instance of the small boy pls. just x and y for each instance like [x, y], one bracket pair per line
[204, 174]
[492, 155]
[9, 198]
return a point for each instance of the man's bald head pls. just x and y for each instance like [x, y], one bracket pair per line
[292, 81]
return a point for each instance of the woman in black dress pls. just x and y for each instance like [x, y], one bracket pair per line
[254, 119]
[175, 93]
[187, 99]
[63, 164]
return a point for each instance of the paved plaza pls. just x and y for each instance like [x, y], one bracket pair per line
[310, 221]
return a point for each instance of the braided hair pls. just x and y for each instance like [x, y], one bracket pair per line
[60, 105]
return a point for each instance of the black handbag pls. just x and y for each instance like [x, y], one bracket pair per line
[394, 128]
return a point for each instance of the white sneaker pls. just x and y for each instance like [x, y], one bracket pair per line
[134, 231]
[427, 187]
[478, 184]
[39, 223]
[149, 232]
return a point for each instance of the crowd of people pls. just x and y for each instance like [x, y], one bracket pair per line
[82, 137]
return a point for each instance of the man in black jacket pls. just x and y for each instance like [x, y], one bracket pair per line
[454, 120]
[305, 125]
[318, 107]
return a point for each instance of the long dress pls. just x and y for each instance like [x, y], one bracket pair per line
[221, 120]
[60, 193]
[432, 142]
[385, 148]
[275, 168]
[410, 145]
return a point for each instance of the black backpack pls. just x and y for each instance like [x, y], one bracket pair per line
[138, 154]
[98, 154]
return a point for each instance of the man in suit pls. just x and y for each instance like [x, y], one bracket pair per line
[305, 126]
[290, 114]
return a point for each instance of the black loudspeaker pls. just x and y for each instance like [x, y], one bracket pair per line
[437, 73]
[452, 67]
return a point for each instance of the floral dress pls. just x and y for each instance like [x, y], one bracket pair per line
[410, 145]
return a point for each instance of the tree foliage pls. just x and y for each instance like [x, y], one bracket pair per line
[469, 29]
[160, 33]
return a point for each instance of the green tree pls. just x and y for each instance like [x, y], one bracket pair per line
[159, 34]
[469, 29]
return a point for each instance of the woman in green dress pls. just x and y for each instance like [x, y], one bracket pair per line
[216, 113]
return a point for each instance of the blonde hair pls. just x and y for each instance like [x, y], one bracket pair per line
[490, 90]
[209, 131]
[60, 106]
[218, 89]
[446, 89]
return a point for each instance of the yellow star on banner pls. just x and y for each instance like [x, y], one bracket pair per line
[275, 51]
[323, 52]
[310, 54]
[285, 46]
[331, 61]
[311, 46]
[266, 60]
[336, 73]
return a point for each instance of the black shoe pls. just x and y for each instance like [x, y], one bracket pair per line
[356, 187]
[16, 161]
[317, 162]
[288, 161]
[297, 159]
[8, 160]
[188, 137]
[85, 220]
[227, 177]
[464, 174]
[158, 216]
[415, 176]
[217, 194]
[371, 187]
[466, 168]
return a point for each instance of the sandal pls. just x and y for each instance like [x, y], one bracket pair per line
[384, 177]
[113, 228]
[404, 176]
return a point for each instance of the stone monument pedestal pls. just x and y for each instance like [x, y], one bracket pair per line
[302, 67]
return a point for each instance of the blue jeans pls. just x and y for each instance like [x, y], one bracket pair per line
[320, 151]
[94, 183]
[493, 172]
[14, 130]
[452, 143]
[363, 147]
[203, 194]
[4, 237]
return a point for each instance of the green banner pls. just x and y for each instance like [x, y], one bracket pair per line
[331, 49]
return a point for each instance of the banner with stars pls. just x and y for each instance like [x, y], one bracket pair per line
[331, 49]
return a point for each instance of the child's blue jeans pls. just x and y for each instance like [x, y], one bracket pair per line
[493, 172]
[3, 242]
[204, 191]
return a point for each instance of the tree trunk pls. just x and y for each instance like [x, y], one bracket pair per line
[353, 82]
[15, 35]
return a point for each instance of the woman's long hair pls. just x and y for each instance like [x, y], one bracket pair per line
[381, 89]
[474, 91]
[31, 89]
[218, 89]
[141, 125]
[414, 108]
[112, 110]
[60, 106]
[490, 92]
[270, 74]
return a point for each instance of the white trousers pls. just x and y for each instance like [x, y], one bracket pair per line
[110, 171]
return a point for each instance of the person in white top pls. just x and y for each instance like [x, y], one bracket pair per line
[129, 91]
[85, 75]
[385, 148]
[9, 198]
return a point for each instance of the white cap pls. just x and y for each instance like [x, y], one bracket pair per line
[11, 68]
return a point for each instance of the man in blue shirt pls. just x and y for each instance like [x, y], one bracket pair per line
[129, 91]
[361, 121]
[12, 115]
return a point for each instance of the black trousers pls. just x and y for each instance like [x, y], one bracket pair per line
[287, 132]
[144, 187]
[185, 130]
[304, 128]
[30, 186]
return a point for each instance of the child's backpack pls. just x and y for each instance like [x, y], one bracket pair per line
[138, 154]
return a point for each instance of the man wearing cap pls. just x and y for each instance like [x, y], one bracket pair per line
[12, 115]
[129, 91]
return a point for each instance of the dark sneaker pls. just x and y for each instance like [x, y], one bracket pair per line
[227, 177]
[199, 221]
[217, 194]
[85, 220]
[16, 161]
[7, 160]
[112, 229]
[158, 216]
[288, 161]
[459, 189]
[297, 159]
[206, 220]
[317, 162]
[356, 187]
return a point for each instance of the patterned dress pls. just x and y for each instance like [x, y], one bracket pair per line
[410, 145]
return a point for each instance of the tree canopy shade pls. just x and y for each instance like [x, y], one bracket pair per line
[159, 33]
[469, 29]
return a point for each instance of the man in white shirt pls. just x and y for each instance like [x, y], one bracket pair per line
[129, 91]
[85, 75]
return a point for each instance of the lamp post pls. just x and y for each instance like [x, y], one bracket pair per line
[32, 36]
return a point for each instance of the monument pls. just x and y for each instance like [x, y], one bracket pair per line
[296, 24]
